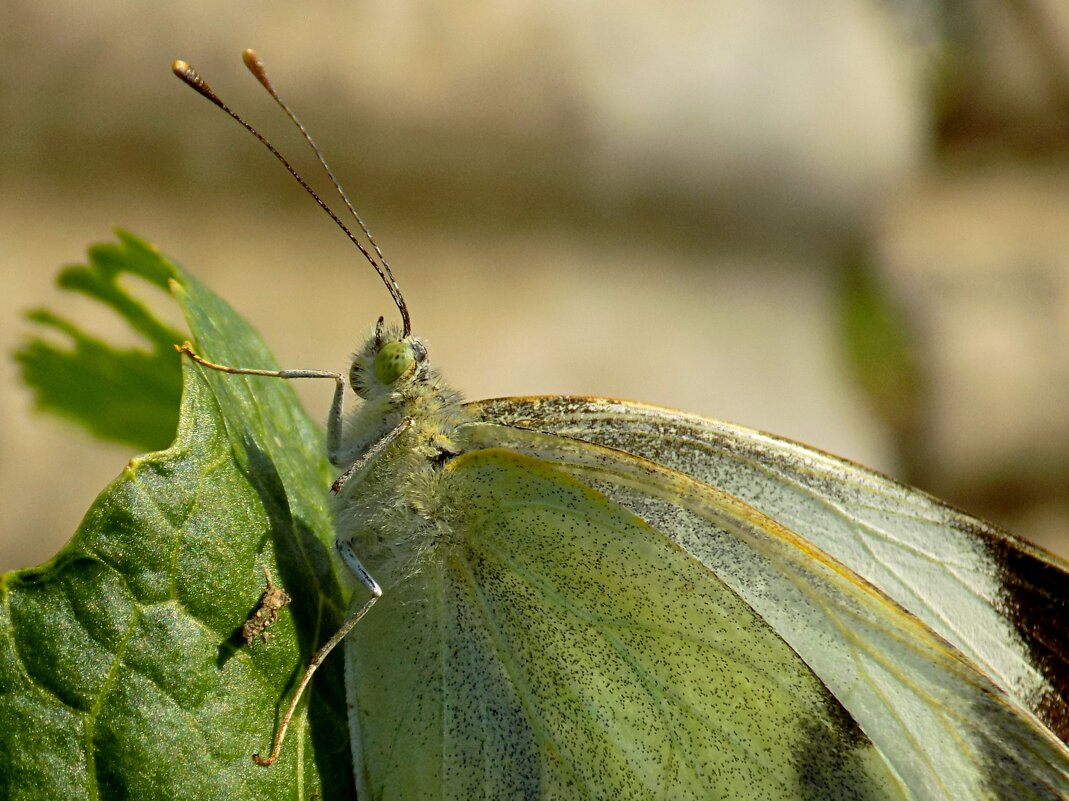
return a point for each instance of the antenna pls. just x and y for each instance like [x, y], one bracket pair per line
[193, 79]
[259, 71]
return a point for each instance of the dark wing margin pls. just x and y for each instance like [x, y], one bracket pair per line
[1035, 598]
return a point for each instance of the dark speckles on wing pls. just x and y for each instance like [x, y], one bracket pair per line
[635, 673]
[841, 764]
[947, 729]
[1003, 604]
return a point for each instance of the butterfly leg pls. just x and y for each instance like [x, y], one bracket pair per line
[371, 453]
[337, 407]
[352, 561]
[358, 569]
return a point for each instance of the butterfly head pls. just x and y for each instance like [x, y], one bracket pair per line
[389, 362]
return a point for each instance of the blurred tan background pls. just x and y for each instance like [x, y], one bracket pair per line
[665, 203]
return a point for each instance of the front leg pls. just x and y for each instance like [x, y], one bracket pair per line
[336, 417]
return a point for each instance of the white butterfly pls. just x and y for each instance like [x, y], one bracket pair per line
[587, 598]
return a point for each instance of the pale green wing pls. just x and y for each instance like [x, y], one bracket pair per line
[1001, 602]
[945, 728]
[558, 647]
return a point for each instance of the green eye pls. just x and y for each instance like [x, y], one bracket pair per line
[393, 361]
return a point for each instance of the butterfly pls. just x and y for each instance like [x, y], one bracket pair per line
[569, 597]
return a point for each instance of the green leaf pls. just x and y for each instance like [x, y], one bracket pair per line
[123, 673]
[128, 395]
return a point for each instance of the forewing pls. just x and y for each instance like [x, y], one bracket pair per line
[556, 646]
[1000, 601]
[945, 728]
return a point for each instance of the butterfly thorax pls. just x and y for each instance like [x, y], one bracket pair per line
[389, 510]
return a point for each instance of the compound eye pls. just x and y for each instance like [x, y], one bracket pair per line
[394, 361]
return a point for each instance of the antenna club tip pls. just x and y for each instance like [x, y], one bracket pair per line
[257, 68]
[180, 68]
